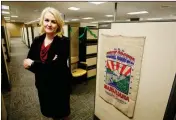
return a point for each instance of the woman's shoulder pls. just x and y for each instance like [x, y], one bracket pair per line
[39, 38]
[63, 39]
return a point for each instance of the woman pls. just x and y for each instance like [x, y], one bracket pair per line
[47, 59]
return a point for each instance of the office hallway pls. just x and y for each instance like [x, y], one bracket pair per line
[22, 102]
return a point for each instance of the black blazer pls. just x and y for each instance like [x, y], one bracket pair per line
[51, 72]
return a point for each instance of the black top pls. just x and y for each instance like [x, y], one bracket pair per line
[52, 78]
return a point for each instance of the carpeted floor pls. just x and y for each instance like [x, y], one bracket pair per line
[22, 102]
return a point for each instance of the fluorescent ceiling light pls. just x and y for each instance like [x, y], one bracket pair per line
[97, 3]
[94, 22]
[74, 19]
[109, 15]
[135, 13]
[73, 8]
[154, 18]
[14, 16]
[88, 18]
[5, 12]
[5, 7]
[6, 17]
[108, 21]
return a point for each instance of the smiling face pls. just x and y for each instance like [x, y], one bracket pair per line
[50, 23]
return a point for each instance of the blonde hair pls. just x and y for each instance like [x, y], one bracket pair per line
[57, 16]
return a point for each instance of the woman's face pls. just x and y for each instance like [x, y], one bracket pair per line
[50, 24]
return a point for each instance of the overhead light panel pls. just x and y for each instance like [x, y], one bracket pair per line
[94, 22]
[88, 18]
[5, 12]
[127, 20]
[97, 3]
[6, 17]
[154, 18]
[5, 7]
[74, 19]
[109, 15]
[14, 16]
[66, 21]
[135, 13]
[73, 8]
[108, 21]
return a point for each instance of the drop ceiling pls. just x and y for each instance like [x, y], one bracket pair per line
[29, 11]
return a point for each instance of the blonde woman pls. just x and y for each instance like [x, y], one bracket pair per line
[47, 59]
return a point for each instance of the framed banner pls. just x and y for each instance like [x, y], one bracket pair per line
[120, 59]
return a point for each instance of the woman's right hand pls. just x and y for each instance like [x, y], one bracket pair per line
[27, 63]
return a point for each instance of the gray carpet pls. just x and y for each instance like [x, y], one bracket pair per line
[22, 102]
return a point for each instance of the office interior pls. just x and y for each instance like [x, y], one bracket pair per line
[85, 24]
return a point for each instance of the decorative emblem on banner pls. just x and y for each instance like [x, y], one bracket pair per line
[118, 74]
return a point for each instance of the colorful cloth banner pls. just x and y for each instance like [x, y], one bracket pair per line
[120, 60]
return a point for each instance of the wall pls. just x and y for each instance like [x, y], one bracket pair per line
[2, 21]
[157, 72]
[14, 29]
[74, 41]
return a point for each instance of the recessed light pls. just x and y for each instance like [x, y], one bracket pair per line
[74, 19]
[154, 18]
[135, 13]
[66, 21]
[108, 21]
[94, 22]
[5, 7]
[73, 8]
[5, 12]
[14, 16]
[87, 18]
[97, 3]
[6, 17]
[109, 15]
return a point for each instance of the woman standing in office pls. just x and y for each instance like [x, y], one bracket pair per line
[47, 59]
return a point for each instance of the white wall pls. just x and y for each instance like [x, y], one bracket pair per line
[36, 31]
[25, 36]
[157, 72]
[30, 35]
[65, 28]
